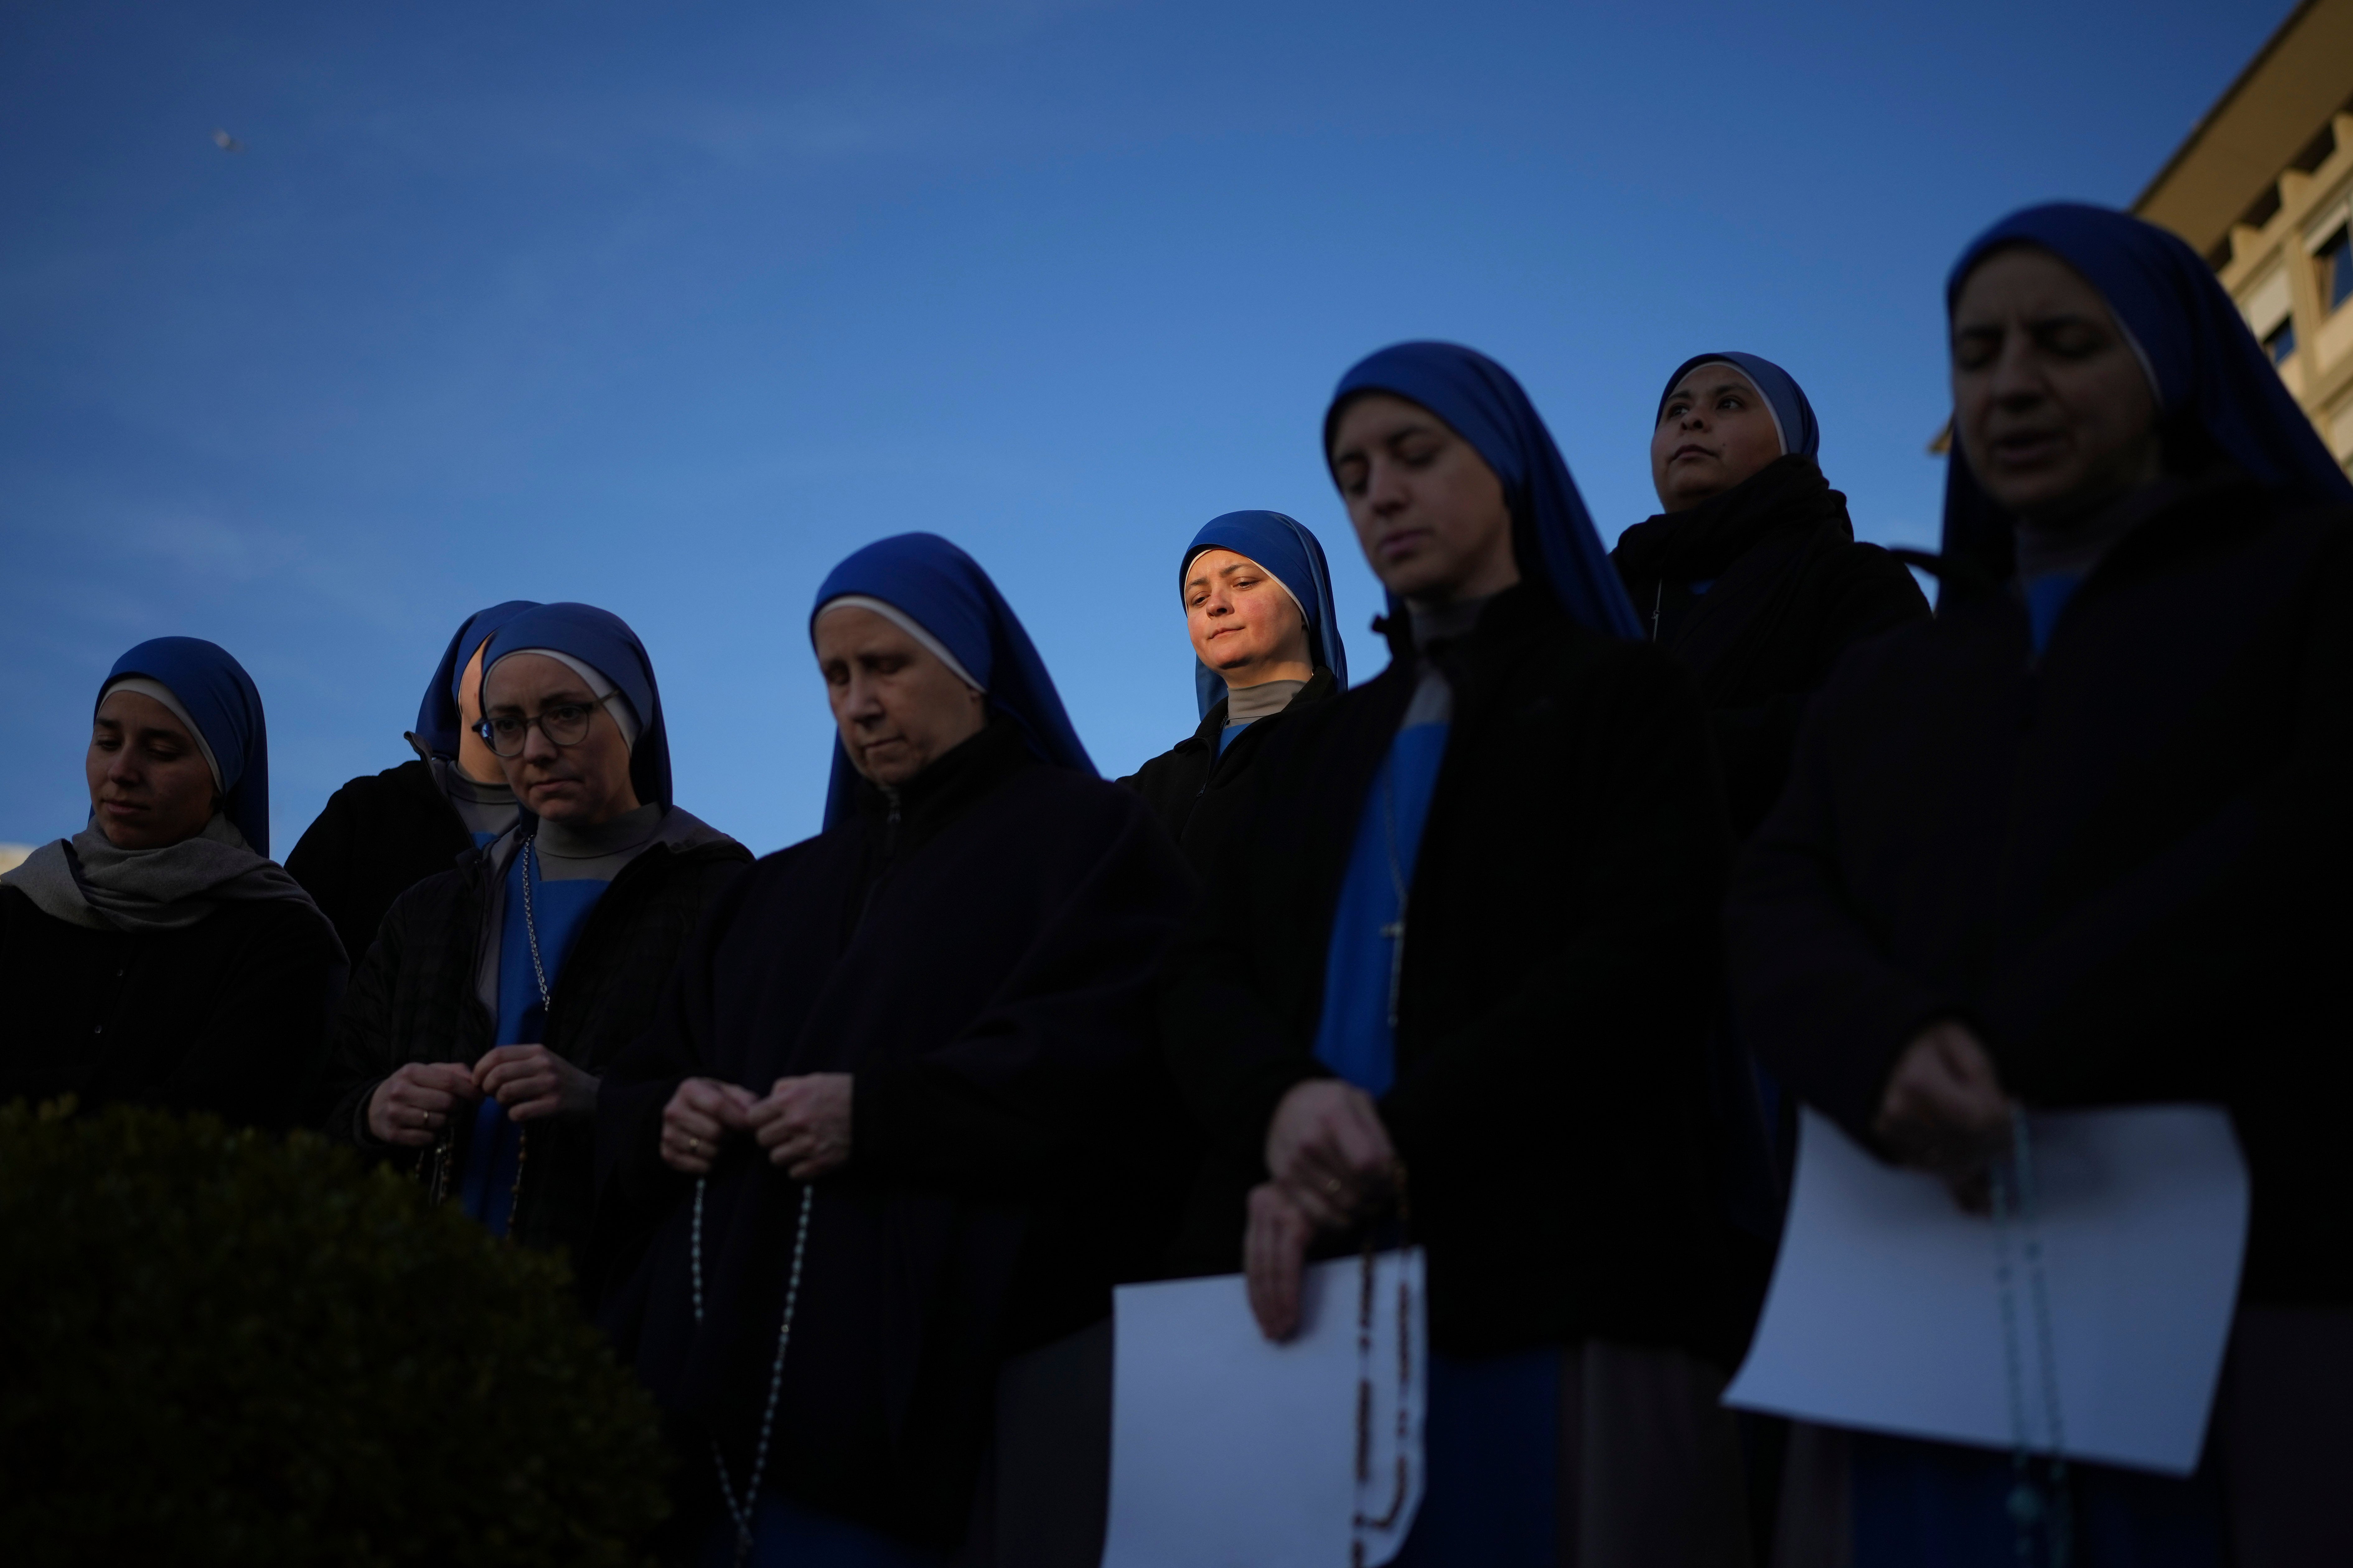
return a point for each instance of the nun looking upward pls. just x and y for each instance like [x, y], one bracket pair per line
[2081, 841]
[452, 1052]
[1462, 939]
[1266, 642]
[879, 1151]
[1750, 575]
[157, 957]
[382, 834]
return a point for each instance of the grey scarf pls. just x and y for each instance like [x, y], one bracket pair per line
[87, 882]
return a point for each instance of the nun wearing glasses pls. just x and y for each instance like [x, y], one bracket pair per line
[474, 1036]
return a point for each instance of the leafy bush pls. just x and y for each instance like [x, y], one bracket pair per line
[224, 1347]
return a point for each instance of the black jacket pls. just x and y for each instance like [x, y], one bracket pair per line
[1558, 987]
[1789, 591]
[1191, 788]
[377, 837]
[978, 954]
[2122, 863]
[414, 1000]
[228, 1015]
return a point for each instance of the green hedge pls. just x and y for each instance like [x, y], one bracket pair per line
[223, 1347]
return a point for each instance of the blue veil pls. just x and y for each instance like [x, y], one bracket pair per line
[603, 641]
[1285, 548]
[226, 705]
[2214, 385]
[944, 590]
[1552, 531]
[1793, 416]
[438, 717]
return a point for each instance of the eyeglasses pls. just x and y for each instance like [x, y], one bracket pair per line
[564, 724]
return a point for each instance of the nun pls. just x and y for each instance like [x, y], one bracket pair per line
[1751, 574]
[2080, 842]
[158, 957]
[878, 1150]
[451, 1057]
[1462, 941]
[1266, 643]
[385, 832]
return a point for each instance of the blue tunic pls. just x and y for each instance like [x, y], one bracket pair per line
[494, 1156]
[1354, 1037]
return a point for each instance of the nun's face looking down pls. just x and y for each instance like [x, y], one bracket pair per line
[1244, 625]
[899, 709]
[579, 786]
[2054, 411]
[1428, 512]
[150, 785]
[1714, 430]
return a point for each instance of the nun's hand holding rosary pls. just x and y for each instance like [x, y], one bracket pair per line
[700, 1117]
[804, 1124]
[1944, 1110]
[1328, 1151]
[532, 1081]
[409, 1109]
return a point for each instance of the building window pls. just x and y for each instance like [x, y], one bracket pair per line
[2280, 342]
[2335, 259]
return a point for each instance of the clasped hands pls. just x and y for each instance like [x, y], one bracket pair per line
[1944, 1110]
[802, 1122]
[410, 1107]
[1331, 1165]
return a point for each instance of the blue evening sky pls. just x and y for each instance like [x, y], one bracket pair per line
[667, 307]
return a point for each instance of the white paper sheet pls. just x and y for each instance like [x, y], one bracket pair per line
[1231, 1452]
[1885, 1309]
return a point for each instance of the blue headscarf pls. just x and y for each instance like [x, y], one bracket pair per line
[1283, 547]
[1792, 415]
[604, 642]
[2214, 385]
[441, 716]
[1550, 527]
[222, 700]
[944, 590]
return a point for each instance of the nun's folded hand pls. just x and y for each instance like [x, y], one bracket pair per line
[700, 1117]
[1944, 1109]
[410, 1107]
[534, 1082]
[804, 1124]
[1274, 1259]
[1327, 1150]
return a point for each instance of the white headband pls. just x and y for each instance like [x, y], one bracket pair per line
[625, 716]
[905, 623]
[162, 693]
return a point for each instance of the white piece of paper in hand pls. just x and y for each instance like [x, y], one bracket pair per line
[1885, 1309]
[1228, 1451]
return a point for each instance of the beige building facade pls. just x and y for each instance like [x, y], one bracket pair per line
[2264, 189]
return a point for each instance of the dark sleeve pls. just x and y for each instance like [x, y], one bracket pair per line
[1815, 999]
[1034, 1088]
[633, 1184]
[1227, 1051]
[1637, 972]
[255, 1057]
[323, 861]
[1865, 591]
[363, 1051]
